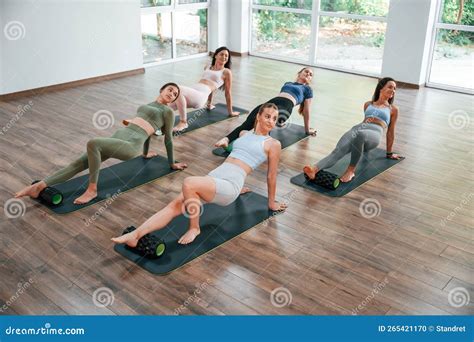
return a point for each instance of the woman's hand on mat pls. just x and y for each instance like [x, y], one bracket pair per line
[277, 206]
[312, 132]
[150, 155]
[210, 106]
[394, 156]
[179, 166]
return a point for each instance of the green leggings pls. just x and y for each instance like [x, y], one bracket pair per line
[126, 143]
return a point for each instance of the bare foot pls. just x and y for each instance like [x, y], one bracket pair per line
[189, 236]
[347, 176]
[245, 190]
[182, 125]
[310, 171]
[224, 142]
[32, 190]
[87, 196]
[234, 114]
[131, 239]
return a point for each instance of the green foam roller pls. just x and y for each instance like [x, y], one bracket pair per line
[229, 148]
[326, 179]
[50, 195]
[149, 245]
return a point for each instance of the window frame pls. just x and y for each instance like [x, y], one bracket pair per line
[315, 14]
[434, 34]
[173, 8]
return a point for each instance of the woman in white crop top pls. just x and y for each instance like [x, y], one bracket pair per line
[215, 76]
[222, 185]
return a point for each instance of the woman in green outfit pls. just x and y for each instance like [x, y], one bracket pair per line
[126, 143]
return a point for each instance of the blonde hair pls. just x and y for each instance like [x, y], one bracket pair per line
[301, 108]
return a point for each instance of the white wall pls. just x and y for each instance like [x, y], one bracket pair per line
[67, 41]
[408, 39]
[1, 47]
[239, 17]
[229, 25]
[218, 15]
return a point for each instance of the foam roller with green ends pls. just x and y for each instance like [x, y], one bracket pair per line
[148, 246]
[50, 195]
[229, 148]
[326, 179]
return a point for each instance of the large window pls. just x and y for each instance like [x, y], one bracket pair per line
[452, 64]
[351, 34]
[339, 34]
[281, 33]
[173, 29]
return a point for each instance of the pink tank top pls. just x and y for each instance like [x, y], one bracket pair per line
[214, 76]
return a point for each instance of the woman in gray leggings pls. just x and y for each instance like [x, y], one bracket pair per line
[379, 113]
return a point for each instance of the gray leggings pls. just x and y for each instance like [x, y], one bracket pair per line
[360, 138]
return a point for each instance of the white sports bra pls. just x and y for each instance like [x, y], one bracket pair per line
[214, 76]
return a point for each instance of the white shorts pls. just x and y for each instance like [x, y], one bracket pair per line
[229, 179]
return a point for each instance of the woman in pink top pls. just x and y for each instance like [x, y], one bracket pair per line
[216, 76]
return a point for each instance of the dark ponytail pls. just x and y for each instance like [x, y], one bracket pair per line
[379, 87]
[173, 85]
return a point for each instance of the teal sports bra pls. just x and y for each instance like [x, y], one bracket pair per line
[378, 113]
[249, 149]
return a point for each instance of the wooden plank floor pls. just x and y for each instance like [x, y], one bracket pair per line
[329, 257]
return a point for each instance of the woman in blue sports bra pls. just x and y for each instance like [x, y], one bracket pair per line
[224, 184]
[379, 114]
[291, 94]
[217, 76]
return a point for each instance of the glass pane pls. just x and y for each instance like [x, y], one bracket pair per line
[361, 7]
[156, 37]
[351, 44]
[302, 4]
[191, 1]
[153, 3]
[453, 59]
[191, 32]
[454, 13]
[281, 33]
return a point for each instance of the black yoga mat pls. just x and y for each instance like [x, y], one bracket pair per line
[287, 135]
[203, 117]
[371, 164]
[113, 181]
[218, 225]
